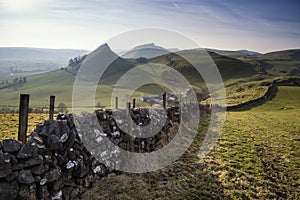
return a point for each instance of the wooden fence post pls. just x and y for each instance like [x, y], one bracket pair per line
[131, 140]
[128, 108]
[116, 106]
[133, 103]
[165, 106]
[51, 108]
[23, 117]
[164, 100]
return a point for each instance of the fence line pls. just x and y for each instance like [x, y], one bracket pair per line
[86, 106]
[24, 110]
[51, 109]
[23, 117]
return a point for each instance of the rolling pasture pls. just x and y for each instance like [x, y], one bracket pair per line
[9, 124]
[256, 157]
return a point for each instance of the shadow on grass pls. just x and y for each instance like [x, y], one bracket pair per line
[186, 178]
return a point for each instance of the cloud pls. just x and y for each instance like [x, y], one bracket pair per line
[213, 23]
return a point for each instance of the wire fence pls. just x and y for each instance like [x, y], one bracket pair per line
[23, 109]
[43, 109]
[62, 107]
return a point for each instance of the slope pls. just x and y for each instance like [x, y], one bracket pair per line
[230, 68]
[285, 62]
[250, 161]
[257, 154]
[235, 54]
[40, 87]
[24, 61]
[60, 82]
[146, 50]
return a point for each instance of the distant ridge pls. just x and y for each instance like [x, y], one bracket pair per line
[60, 82]
[28, 53]
[146, 50]
[286, 62]
[27, 61]
[234, 54]
[103, 57]
[290, 54]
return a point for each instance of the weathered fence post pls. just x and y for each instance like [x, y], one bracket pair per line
[51, 108]
[23, 117]
[165, 106]
[116, 106]
[133, 103]
[164, 100]
[131, 140]
[128, 108]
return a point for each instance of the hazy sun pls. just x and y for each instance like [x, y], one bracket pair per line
[20, 5]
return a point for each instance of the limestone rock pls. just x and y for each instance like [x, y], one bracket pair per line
[5, 166]
[38, 170]
[53, 175]
[11, 146]
[8, 190]
[29, 150]
[25, 177]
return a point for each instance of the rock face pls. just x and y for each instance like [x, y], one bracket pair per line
[25, 177]
[9, 190]
[39, 170]
[5, 165]
[11, 146]
[55, 164]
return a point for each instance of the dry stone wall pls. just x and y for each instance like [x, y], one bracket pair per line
[55, 164]
[269, 93]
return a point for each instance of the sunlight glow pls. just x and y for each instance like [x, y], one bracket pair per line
[20, 5]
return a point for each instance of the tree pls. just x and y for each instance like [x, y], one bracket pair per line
[99, 105]
[20, 81]
[142, 60]
[15, 81]
[62, 108]
[71, 62]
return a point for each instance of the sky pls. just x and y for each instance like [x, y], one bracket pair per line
[261, 26]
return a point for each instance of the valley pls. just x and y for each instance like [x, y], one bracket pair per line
[244, 78]
[256, 156]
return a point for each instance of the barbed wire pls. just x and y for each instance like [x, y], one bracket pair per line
[47, 107]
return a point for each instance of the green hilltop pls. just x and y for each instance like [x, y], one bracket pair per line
[244, 75]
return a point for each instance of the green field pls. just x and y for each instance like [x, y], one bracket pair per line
[258, 153]
[9, 124]
[243, 75]
[256, 157]
[60, 82]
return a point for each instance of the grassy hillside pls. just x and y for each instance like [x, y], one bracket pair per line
[281, 62]
[230, 68]
[147, 51]
[40, 87]
[60, 84]
[234, 54]
[241, 78]
[293, 54]
[256, 157]
[9, 124]
[21, 61]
